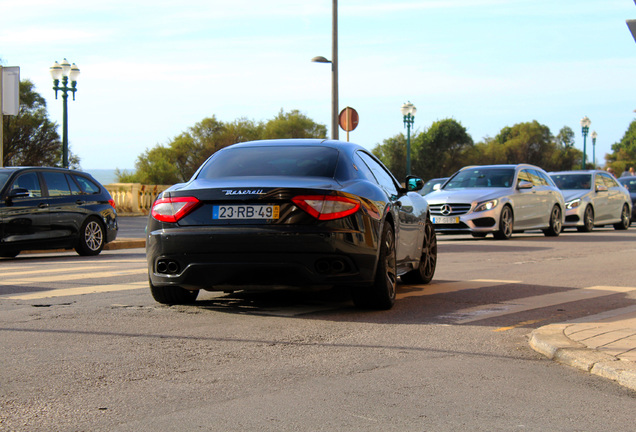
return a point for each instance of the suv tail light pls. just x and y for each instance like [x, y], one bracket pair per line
[327, 207]
[112, 203]
[173, 209]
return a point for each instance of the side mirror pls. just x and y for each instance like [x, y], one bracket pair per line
[525, 185]
[18, 193]
[413, 184]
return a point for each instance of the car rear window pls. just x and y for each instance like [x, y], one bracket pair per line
[3, 178]
[88, 187]
[630, 184]
[572, 181]
[301, 161]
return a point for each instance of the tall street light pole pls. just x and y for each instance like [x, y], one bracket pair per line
[334, 70]
[408, 112]
[594, 136]
[585, 128]
[65, 72]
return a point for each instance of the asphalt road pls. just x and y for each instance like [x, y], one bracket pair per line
[83, 346]
[132, 227]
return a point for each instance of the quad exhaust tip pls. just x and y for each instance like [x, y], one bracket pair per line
[169, 267]
[331, 266]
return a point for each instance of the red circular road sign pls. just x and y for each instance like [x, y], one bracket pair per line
[348, 119]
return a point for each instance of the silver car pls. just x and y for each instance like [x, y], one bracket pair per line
[593, 198]
[498, 199]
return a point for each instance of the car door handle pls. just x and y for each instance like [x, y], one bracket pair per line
[43, 205]
[80, 202]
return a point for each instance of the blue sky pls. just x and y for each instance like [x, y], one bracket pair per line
[151, 69]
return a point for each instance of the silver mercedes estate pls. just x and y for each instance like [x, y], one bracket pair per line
[498, 199]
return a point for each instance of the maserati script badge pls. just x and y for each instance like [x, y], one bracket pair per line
[243, 191]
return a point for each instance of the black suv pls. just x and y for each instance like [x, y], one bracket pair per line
[51, 208]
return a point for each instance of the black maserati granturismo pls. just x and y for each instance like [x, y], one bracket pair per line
[293, 214]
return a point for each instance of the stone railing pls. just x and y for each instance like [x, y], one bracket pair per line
[134, 198]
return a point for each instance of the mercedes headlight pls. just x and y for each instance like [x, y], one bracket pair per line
[488, 205]
[573, 204]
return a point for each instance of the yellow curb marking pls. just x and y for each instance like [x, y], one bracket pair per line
[521, 324]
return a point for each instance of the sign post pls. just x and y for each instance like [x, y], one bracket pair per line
[348, 120]
[9, 99]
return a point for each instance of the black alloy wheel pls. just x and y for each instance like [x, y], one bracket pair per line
[173, 295]
[556, 224]
[92, 237]
[381, 295]
[424, 273]
[506, 224]
[588, 220]
[625, 219]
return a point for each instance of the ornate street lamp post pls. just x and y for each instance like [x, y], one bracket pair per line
[594, 136]
[408, 111]
[65, 72]
[585, 128]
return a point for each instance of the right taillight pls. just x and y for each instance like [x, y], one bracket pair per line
[327, 207]
[173, 209]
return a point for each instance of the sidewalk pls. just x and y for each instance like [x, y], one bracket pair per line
[603, 344]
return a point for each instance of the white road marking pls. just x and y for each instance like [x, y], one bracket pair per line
[70, 277]
[536, 302]
[448, 287]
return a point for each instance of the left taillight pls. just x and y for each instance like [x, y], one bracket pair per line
[112, 203]
[327, 207]
[173, 209]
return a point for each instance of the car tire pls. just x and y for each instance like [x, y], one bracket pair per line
[380, 295]
[173, 295]
[556, 224]
[588, 220]
[9, 253]
[92, 237]
[506, 224]
[425, 271]
[625, 219]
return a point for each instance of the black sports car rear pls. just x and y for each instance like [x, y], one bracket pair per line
[306, 214]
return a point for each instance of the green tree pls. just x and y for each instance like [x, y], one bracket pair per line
[293, 124]
[526, 142]
[441, 149]
[178, 160]
[623, 152]
[392, 153]
[30, 138]
[565, 156]
[529, 142]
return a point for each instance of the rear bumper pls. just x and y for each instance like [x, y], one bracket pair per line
[219, 258]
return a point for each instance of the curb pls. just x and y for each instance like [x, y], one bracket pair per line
[114, 245]
[552, 342]
[125, 244]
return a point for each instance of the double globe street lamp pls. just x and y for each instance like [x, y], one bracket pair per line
[408, 112]
[585, 128]
[64, 72]
[594, 136]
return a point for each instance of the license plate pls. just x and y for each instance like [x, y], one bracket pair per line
[246, 212]
[445, 220]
